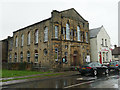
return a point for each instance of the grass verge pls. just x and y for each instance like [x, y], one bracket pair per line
[15, 73]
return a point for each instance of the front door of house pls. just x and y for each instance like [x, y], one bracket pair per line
[74, 60]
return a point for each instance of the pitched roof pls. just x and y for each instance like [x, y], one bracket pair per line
[93, 32]
[73, 13]
[116, 51]
[78, 16]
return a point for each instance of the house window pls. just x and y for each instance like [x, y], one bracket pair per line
[56, 31]
[87, 37]
[36, 36]
[67, 32]
[16, 41]
[15, 57]
[22, 40]
[45, 52]
[78, 33]
[66, 54]
[21, 56]
[75, 33]
[10, 58]
[102, 41]
[66, 46]
[105, 42]
[64, 32]
[71, 34]
[28, 38]
[36, 56]
[56, 54]
[115, 56]
[46, 34]
[103, 57]
[107, 56]
[84, 58]
[28, 56]
[82, 36]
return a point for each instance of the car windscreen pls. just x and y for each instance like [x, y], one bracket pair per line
[87, 65]
[113, 63]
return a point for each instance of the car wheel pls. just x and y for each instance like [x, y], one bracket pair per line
[95, 72]
[106, 71]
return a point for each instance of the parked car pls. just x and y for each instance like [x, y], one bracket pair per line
[114, 65]
[93, 68]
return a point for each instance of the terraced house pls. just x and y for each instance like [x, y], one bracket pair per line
[62, 39]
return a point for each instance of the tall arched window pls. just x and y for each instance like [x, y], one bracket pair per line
[28, 38]
[78, 33]
[22, 40]
[36, 56]
[28, 56]
[15, 57]
[16, 41]
[21, 56]
[36, 36]
[46, 34]
[10, 58]
[56, 31]
[87, 37]
[67, 32]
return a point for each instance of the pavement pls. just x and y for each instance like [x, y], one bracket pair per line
[42, 77]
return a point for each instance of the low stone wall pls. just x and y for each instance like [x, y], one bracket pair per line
[17, 66]
[32, 66]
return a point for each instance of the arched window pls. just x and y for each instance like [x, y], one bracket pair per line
[78, 33]
[21, 56]
[36, 56]
[16, 41]
[36, 36]
[105, 42]
[56, 54]
[67, 32]
[15, 57]
[46, 34]
[56, 31]
[28, 56]
[22, 40]
[45, 52]
[28, 38]
[87, 37]
[10, 58]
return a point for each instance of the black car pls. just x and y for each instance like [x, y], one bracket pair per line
[93, 68]
[114, 65]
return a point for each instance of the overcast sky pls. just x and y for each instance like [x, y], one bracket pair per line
[16, 14]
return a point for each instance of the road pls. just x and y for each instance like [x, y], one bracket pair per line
[76, 81]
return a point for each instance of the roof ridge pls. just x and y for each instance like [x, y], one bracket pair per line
[97, 28]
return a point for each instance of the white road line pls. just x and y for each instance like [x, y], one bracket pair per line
[78, 84]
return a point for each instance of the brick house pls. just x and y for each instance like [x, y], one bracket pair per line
[61, 40]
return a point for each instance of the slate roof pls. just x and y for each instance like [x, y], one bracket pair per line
[116, 51]
[93, 32]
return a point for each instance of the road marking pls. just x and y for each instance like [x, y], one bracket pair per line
[79, 78]
[78, 84]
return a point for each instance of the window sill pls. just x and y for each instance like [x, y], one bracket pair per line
[45, 41]
[28, 44]
[36, 44]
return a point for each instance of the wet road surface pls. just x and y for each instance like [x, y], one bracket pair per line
[77, 81]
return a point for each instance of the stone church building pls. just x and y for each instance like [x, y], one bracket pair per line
[62, 39]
